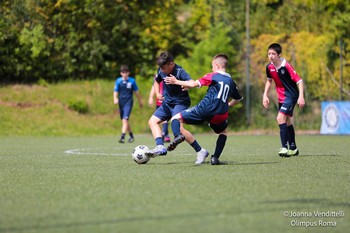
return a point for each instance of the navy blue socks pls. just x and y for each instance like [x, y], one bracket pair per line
[284, 135]
[220, 144]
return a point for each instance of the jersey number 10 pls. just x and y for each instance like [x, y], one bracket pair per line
[223, 93]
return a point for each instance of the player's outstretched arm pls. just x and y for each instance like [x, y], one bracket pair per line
[185, 84]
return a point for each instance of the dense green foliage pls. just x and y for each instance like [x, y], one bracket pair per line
[90, 185]
[74, 39]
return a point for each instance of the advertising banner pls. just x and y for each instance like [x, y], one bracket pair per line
[335, 117]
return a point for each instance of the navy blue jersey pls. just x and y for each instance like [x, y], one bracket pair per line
[173, 94]
[221, 88]
[125, 89]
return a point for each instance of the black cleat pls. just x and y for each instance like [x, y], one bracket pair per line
[215, 161]
[121, 140]
[177, 141]
[132, 139]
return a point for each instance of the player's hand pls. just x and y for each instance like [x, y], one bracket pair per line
[266, 102]
[160, 97]
[301, 102]
[184, 88]
[231, 103]
[116, 101]
[170, 79]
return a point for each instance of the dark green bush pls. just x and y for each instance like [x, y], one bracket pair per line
[78, 105]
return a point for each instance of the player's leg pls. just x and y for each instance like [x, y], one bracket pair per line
[281, 120]
[153, 124]
[126, 122]
[293, 150]
[131, 135]
[158, 116]
[202, 153]
[181, 134]
[176, 126]
[122, 116]
[157, 135]
[176, 121]
[220, 141]
[165, 132]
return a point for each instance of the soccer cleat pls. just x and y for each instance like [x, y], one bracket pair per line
[132, 139]
[166, 139]
[293, 152]
[215, 161]
[121, 140]
[201, 155]
[177, 141]
[158, 150]
[283, 152]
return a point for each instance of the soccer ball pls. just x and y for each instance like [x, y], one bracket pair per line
[139, 155]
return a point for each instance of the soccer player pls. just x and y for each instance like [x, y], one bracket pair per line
[290, 91]
[165, 131]
[213, 108]
[174, 100]
[124, 89]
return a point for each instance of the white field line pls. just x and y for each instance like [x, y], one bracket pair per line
[100, 152]
[92, 152]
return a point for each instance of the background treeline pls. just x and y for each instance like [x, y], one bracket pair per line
[47, 41]
[88, 39]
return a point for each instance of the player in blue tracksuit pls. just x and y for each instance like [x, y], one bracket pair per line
[174, 100]
[213, 108]
[124, 89]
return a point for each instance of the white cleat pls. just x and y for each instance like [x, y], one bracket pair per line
[283, 152]
[158, 150]
[201, 156]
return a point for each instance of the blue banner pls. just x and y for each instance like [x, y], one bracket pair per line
[335, 117]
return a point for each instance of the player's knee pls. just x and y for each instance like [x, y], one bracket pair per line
[223, 133]
[151, 121]
[176, 117]
[280, 120]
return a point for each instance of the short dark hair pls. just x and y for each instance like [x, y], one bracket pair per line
[164, 58]
[124, 68]
[222, 59]
[275, 46]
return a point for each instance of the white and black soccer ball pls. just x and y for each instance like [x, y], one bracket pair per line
[139, 154]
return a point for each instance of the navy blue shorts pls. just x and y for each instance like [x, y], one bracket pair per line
[287, 107]
[194, 116]
[165, 112]
[125, 111]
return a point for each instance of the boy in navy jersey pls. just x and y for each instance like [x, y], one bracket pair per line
[290, 91]
[174, 100]
[124, 88]
[213, 108]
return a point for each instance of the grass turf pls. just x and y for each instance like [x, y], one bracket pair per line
[91, 184]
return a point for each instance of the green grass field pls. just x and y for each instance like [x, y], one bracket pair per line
[91, 184]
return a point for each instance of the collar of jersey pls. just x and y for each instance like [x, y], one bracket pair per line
[223, 73]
